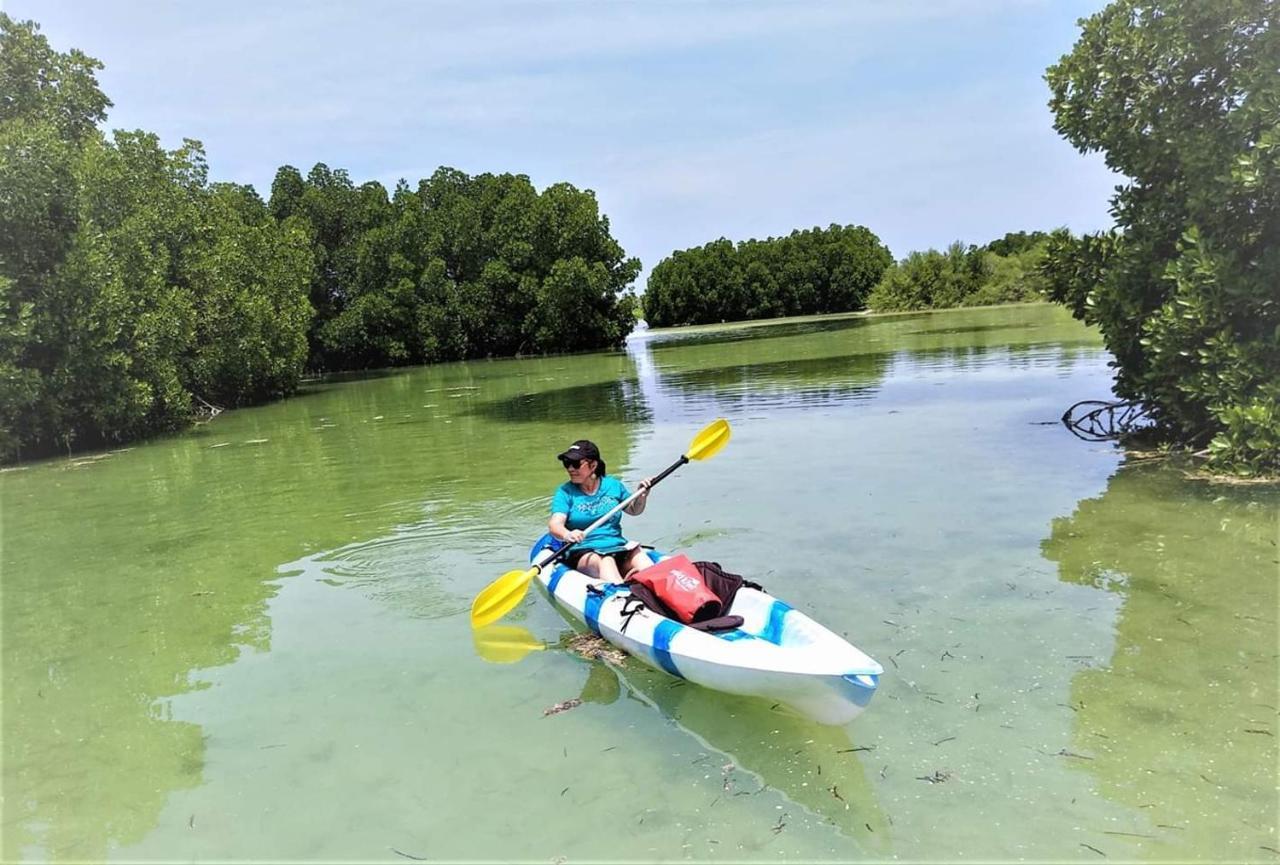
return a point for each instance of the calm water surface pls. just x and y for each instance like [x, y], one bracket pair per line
[251, 642]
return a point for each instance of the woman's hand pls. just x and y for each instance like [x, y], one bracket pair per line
[645, 486]
[574, 536]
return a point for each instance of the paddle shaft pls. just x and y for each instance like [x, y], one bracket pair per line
[564, 551]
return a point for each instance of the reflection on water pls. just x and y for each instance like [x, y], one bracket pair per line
[1179, 721]
[756, 747]
[594, 404]
[250, 641]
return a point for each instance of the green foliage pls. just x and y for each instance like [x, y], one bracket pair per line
[461, 267]
[931, 280]
[338, 215]
[808, 272]
[127, 283]
[1013, 277]
[248, 276]
[42, 86]
[1017, 242]
[1004, 271]
[1183, 98]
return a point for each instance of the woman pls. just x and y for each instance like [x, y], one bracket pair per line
[588, 495]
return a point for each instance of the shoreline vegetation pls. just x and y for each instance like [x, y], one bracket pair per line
[137, 296]
[830, 316]
[839, 269]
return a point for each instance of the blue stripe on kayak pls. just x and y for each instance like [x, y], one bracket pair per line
[858, 691]
[591, 608]
[560, 571]
[773, 628]
[662, 637]
[735, 634]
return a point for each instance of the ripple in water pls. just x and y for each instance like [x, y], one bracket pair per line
[433, 568]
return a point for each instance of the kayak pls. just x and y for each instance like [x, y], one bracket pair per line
[778, 652]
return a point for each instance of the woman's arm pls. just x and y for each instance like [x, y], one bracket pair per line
[636, 508]
[558, 531]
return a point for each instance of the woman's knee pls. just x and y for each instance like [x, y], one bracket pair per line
[636, 561]
[608, 569]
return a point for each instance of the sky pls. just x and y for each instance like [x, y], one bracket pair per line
[927, 121]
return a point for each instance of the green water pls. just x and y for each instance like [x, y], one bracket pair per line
[251, 642]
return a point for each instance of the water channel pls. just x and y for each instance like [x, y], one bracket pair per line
[250, 641]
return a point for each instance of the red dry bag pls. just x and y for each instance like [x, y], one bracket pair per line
[677, 582]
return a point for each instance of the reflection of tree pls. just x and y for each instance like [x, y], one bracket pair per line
[830, 362]
[1181, 721]
[598, 403]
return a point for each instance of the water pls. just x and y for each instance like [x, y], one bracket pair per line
[250, 642]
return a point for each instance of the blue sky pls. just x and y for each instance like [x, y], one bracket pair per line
[925, 121]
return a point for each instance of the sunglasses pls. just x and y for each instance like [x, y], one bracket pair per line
[571, 464]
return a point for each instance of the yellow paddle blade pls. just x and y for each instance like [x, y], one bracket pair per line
[505, 644]
[501, 597]
[709, 442]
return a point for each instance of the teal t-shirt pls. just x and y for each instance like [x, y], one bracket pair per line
[581, 510]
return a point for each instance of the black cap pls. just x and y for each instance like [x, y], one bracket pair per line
[581, 450]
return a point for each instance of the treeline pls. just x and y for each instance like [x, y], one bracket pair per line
[805, 273]
[135, 293]
[839, 269]
[1008, 270]
[460, 267]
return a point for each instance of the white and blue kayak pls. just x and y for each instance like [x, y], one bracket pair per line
[778, 653]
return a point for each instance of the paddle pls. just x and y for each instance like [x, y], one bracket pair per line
[503, 594]
[505, 644]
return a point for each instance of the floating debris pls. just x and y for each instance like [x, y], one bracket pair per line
[1065, 753]
[591, 647]
[938, 776]
[407, 855]
[562, 707]
[1129, 834]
